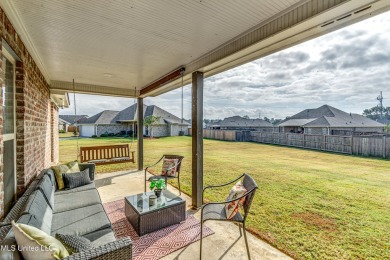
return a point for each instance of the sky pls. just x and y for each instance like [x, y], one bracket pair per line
[346, 69]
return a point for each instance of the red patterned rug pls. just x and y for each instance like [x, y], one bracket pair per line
[157, 244]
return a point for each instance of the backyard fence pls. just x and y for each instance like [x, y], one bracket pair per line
[377, 146]
[370, 145]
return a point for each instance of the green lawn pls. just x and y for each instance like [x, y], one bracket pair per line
[309, 204]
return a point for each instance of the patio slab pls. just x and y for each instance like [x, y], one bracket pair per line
[226, 243]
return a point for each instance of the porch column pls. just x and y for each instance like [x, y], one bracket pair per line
[197, 139]
[140, 133]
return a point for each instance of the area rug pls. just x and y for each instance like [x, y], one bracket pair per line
[157, 244]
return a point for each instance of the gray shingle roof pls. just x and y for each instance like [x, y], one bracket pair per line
[130, 114]
[165, 117]
[102, 118]
[237, 121]
[71, 119]
[296, 122]
[329, 116]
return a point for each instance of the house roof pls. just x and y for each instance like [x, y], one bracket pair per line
[129, 114]
[296, 122]
[384, 121]
[237, 121]
[326, 116]
[71, 119]
[165, 117]
[103, 118]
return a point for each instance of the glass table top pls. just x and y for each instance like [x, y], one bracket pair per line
[140, 202]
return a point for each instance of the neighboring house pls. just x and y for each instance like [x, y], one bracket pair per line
[71, 119]
[66, 122]
[328, 120]
[110, 121]
[241, 123]
[63, 125]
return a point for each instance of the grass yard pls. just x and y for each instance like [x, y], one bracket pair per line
[309, 204]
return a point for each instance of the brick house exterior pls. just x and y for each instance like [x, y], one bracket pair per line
[36, 116]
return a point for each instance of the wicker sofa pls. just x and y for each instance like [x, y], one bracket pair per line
[77, 211]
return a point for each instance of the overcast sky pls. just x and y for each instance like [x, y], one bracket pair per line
[346, 69]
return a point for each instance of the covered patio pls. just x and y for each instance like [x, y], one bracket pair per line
[138, 50]
[226, 243]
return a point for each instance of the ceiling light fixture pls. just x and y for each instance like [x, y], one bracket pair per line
[107, 75]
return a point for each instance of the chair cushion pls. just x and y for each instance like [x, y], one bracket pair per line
[101, 237]
[237, 191]
[38, 207]
[74, 180]
[74, 244]
[169, 167]
[30, 240]
[80, 221]
[90, 186]
[75, 200]
[46, 187]
[71, 167]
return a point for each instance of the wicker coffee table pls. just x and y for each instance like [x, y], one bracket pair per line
[169, 209]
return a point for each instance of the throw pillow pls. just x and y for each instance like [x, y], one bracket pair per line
[71, 167]
[73, 180]
[232, 208]
[74, 244]
[36, 244]
[169, 167]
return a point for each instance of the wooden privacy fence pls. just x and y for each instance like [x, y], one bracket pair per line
[226, 135]
[377, 146]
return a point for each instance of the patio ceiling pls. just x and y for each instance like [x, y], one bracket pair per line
[113, 48]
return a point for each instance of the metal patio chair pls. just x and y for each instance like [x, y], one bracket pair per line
[166, 178]
[216, 210]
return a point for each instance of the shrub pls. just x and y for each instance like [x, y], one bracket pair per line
[118, 135]
[103, 135]
[94, 136]
[62, 131]
[111, 134]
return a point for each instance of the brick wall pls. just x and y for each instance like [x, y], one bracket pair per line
[34, 132]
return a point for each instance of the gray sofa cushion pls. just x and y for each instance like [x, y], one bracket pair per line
[38, 207]
[74, 180]
[46, 187]
[101, 237]
[90, 186]
[80, 221]
[75, 200]
[52, 177]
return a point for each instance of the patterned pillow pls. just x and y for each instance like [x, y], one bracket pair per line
[73, 180]
[74, 244]
[169, 167]
[237, 191]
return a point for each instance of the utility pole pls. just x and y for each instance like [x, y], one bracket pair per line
[380, 99]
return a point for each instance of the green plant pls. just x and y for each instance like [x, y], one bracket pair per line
[104, 135]
[111, 134]
[157, 184]
[62, 131]
[94, 136]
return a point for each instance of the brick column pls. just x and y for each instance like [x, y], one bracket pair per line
[20, 129]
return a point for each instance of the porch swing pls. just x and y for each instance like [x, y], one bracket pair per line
[106, 154]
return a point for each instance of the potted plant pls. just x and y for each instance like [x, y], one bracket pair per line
[157, 186]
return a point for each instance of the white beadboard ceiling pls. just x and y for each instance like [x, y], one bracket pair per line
[127, 44]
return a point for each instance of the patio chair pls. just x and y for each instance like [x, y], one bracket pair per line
[216, 210]
[165, 177]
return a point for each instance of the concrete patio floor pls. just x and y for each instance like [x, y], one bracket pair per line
[225, 243]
